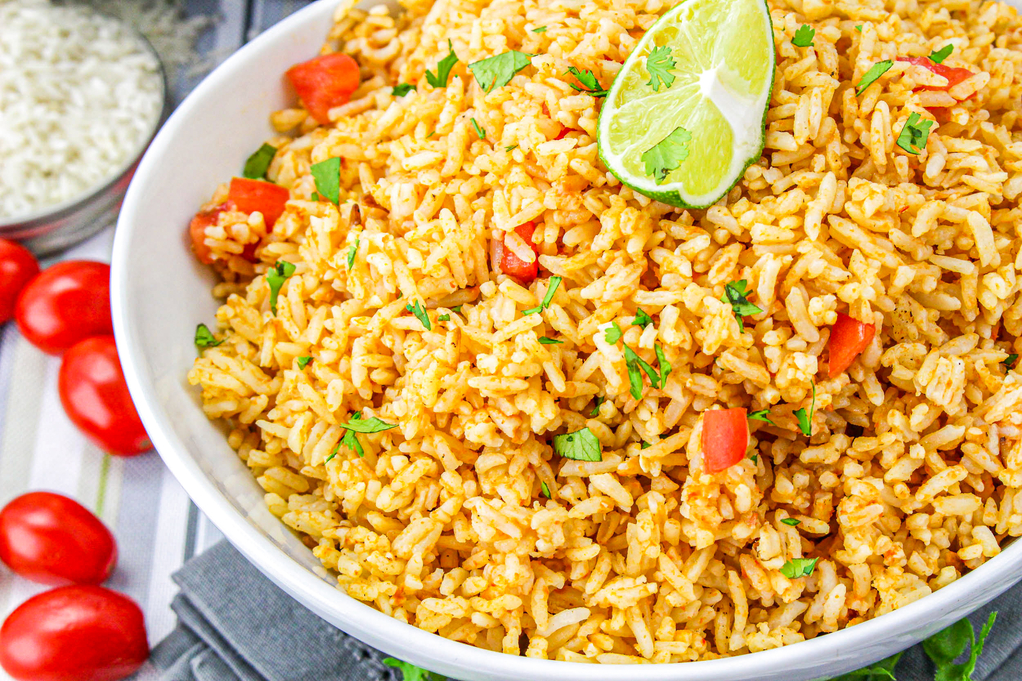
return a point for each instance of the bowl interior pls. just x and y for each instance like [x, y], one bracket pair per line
[160, 293]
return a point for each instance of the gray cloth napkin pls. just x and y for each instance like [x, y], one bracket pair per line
[236, 625]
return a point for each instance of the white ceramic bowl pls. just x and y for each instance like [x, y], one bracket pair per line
[160, 293]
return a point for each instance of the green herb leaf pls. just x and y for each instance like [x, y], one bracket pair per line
[550, 289]
[456, 308]
[539, 29]
[612, 334]
[479, 131]
[880, 671]
[1009, 361]
[634, 363]
[754, 458]
[662, 363]
[349, 440]
[444, 317]
[804, 36]
[582, 445]
[276, 278]
[805, 421]
[762, 415]
[736, 293]
[938, 56]
[546, 490]
[410, 672]
[402, 89]
[316, 197]
[793, 522]
[667, 154]
[304, 362]
[859, 28]
[641, 318]
[799, 567]
[497, 71]
[659, 64]
[443, 68]
[596, 407]
[259, 162]
[550, 341]
[327, 175]
[511, 148]
[915, 133]
[352, 252]
[370, 425]
[204, 338]
[644, 445]
[420, 312]
[587, 82]
[945, 646]
[874, 73]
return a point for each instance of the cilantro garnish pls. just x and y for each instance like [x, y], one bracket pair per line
[316, 197]
[799, 567]
[550, 289]
[874, 73]
[402, 89]
[497, 71]
[762, 415]
[456, 308]
[550, 341]
[545, 490]
[644, 445]
[539, 29]
[352, 252]
[659, 64]
[443, 68]
[420, 312]
[1009, 361]
[793, 522]
[259, 162]
[945, 646]
[444, 317]
[587, 82]
[754, 458]
[938, 56]
[304, 362]
[736, 293]
[328, 179]
[204, 338]
[582, 445]
[915, 133]
[276, 278]
[612, 334]
[479, 131]
[349, 440]
[369, 425]
[859, 28]
[641, 318]
[511, 148]
[804, 36]
[665, 367]
[805, 421]
[410, 672]
[596, 407]
[879, 671]
[667, 154]
[634, 364]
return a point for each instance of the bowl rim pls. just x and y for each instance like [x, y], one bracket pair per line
[405, 640]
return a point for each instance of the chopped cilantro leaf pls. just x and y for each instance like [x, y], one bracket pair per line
[352, 252]
[754, 458]
[799, 567]
[663, 364]
[316, 197]
[204, 338]
[511, 148]
[667, 154]
[1009, 361]
[945, 646]
[805, 421]
[859, 28]
[545, 490]
[644, 445]
[497, 71]
[596, 406]
[634, 364]
[328, 179]
[443, 68]
[479, 131]
[641, 318]
[587, 82]
[550, 289]
[612, 334]
[370, 425]
[349, 440]
[874, 73]
[402, 89]
[259, 162]
[304, 362]
[938, 56]
[550, 341]
[276, 278]
[762, 415]
[804, 36]
[736, 293]
[659, 64]
[582, 445]
[456, 308]
[444, 317]
[420, 312]
[539, 29]
[915, 133]
[793, 522]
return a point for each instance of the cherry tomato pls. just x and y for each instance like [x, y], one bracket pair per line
[197, 231]
[725, 438]
[324, 82]
[17, 267]
[66, 303]
[53, 540]
[95, 397]
[74, 633]
[256, 195]
[848, 338]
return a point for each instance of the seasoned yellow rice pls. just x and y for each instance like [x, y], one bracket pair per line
[912, 475]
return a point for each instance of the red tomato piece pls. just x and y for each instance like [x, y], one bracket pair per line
[953, 74]
[848, 338]
[74, 633]
[17, 267]
[250, 196]
[51, 539]
[725, 438]
[505, 260]
[66, 303]
[197, 231]
[95, 397]
[324, 82]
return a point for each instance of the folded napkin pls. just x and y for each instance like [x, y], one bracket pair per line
[236, 625]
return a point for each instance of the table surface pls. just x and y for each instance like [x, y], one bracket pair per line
[157, 527]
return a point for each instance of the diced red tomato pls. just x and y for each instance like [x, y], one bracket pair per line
[197, 231]
[848, 338]
[725, 438]
[564, 133]
[255, 195]
[953, 74]
[324, 82]
[505, 260]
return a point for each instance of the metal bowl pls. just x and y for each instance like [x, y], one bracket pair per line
[64, 224]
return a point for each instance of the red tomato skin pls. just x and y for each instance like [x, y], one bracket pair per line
[66, 303]
[51, 539]
[197, 231]
[74, 633]
[511, 264]
[250, 196]
[324, 82]
[17, 267]
[848, 338]
[725, 438]
[96, 399]
[954, 74]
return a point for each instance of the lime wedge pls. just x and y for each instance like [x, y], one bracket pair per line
[686, 115]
